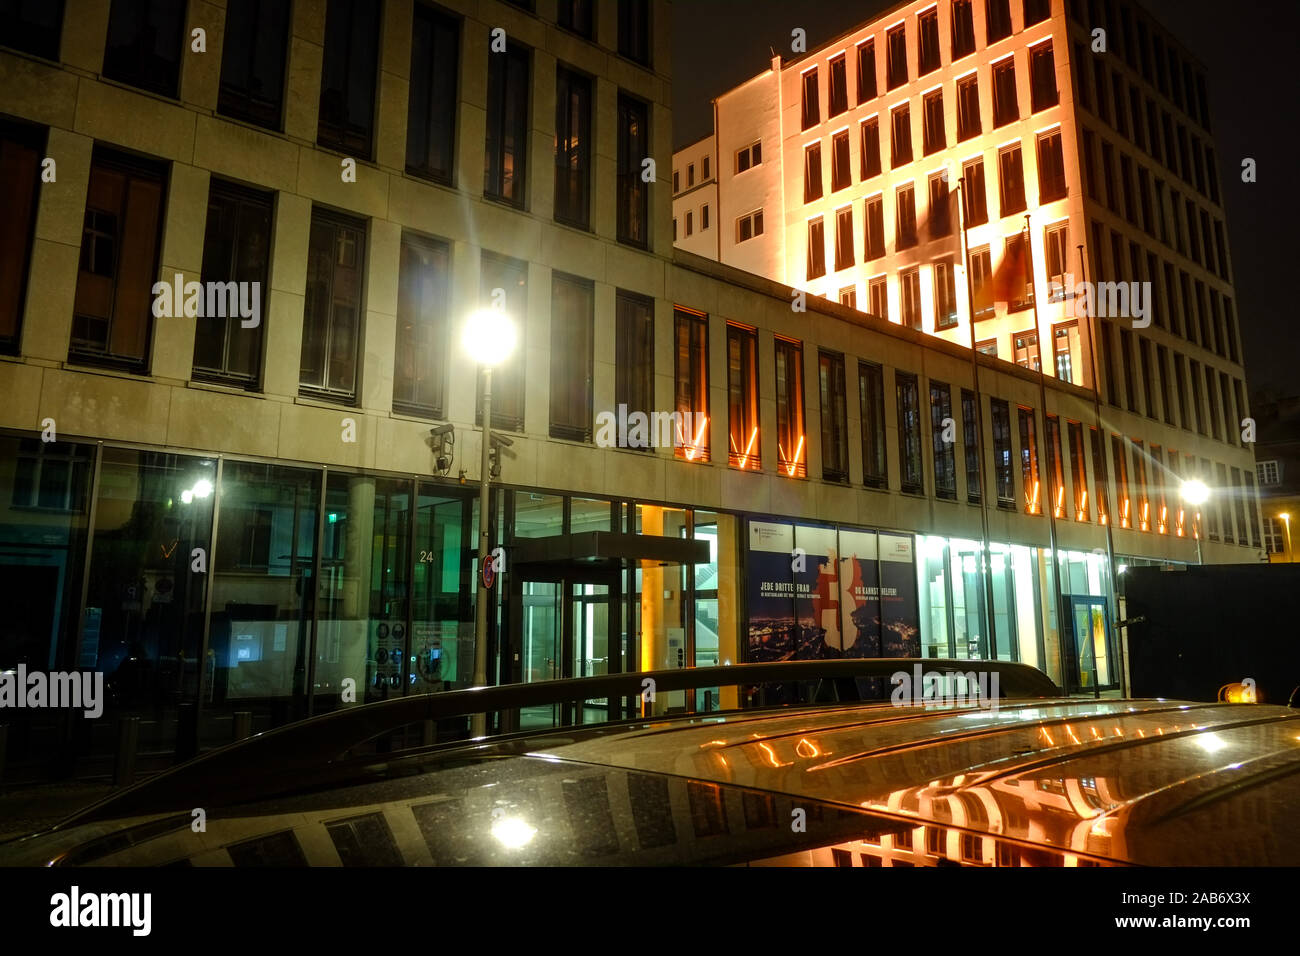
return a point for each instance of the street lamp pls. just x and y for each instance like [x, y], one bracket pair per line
[489, 338]
[1196, 492]
[1286, 522]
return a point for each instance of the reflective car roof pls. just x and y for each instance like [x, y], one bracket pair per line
[1044, 782]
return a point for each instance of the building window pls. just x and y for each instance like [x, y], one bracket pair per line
[940, 207]
[1025, 345]
[331, 338]
[690, 175]
[1065, 338]
[1017, 254]
[909, 432]
[974, 193]
[905, 220]
[348, 77]
[909, 297]
[945, 295]
[1055, 468]
[963, 29]
[253, 53]
[1099, 477]
[968, 108]
[927, 24]
[634, 30]
[1078, 472]
[971, 445]
[871, 407]
[750, 156]
[844, 238]
[945, 466]
[1042, 78]
[236, 248]
[704, 217]
[1223, 507]
[1056, 248]
[144, 43]
[690, 223]
[634, 361]
[576, 15]
[573, 148]
[21, 150]
[981, 280]
[742, 397]
[1274, 536]
[870, 148]
[1252, 509]
[120, 242]
[840, 176]
[1269, 472]
[506, 144]
[988, 347]
[1140, 483]
[1029, 462]
[998, 14]
[834, 415]
[1005, 107]
[816, 248]
[633, 192]
[704, 169]
[839, 86]
[932, 132]
[878, 293]
[849, 296]
[1002, 452]
[866, 71]
[1051, 167]
[420, 359]
[691, 332]
[812, 172]
[791, 448]
[812, 111]
[1011, 180]
[900, 143]
[747, 227]
[1126, 360]
[505, 281]
[34, 26]
[896, 57]
[1037, 11]
[572, 318]
[1120, 455]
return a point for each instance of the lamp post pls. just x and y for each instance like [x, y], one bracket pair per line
[489, 338]
[1286, 523]
[1195, 492]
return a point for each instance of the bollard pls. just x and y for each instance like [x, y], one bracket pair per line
[128, 737]
[242, 725]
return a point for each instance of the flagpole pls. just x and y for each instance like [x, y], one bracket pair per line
[1042, 400]
[1112, 601]
[986, 557]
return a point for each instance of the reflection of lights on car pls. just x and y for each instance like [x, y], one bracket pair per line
[512, 832]
[1209, 742]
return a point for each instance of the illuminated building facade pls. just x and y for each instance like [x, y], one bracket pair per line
[232, 503]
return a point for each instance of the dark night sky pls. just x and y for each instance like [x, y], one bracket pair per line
[1248, 49]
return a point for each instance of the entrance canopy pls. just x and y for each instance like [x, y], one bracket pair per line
[603, 550]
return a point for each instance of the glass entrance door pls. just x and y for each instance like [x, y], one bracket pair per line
[566, 626]
[1093, 662]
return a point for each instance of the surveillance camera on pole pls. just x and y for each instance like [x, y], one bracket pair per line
[444, 440]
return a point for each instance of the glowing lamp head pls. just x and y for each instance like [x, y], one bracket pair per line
[1195, 492]
[489, 337]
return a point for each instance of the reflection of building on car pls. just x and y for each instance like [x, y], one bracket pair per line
[1043, 781]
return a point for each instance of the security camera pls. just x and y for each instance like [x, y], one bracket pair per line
[437, 431]
[501, 440]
